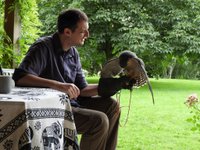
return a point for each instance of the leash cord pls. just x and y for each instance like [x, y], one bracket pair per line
[118, 96]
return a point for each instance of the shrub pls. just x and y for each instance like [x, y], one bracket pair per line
[194, 104]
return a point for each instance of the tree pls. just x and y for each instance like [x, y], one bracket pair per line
[178, 25]
[165, 34]
[160, 32]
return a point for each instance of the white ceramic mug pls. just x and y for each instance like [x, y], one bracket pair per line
[6, 84]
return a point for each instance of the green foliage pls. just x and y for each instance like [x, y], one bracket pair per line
[29, 31]
[116, 29]
[4, 48]
[159, 32]
[1, 29]
[177, 23]
[49, 11]
[30, 24]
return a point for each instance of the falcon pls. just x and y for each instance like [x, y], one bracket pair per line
[124, 72]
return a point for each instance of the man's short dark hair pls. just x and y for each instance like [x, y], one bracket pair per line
[69, 19]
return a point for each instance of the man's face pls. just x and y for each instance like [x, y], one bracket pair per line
[80, 34]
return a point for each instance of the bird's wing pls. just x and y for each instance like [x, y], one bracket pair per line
[111, 69]
[135, 69]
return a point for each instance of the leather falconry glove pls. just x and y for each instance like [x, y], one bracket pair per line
[131, 72]
[110, 86]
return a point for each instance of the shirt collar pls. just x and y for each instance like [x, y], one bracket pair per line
[57, 44]
[58, 47]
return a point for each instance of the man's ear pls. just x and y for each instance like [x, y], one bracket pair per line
[67, 32]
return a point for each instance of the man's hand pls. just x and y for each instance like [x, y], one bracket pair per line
[69, 88]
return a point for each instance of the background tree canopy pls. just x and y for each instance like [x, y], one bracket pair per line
[165, 34]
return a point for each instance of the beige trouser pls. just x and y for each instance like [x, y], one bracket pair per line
[98, 121]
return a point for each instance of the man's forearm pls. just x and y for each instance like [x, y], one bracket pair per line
[32, 80]
[90, 90]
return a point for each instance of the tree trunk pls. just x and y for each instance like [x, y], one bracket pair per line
[171, 68]
[107, 48]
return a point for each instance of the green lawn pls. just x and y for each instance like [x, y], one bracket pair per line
[162, 126]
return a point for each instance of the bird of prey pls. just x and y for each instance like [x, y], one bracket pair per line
[131, 66]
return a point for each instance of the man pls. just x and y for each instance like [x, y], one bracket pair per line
[54, 62]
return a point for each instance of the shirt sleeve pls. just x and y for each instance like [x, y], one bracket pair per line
[33, 63]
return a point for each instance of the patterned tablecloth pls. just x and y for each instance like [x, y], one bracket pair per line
[36, 119]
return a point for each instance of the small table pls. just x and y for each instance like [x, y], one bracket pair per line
[36, 119]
